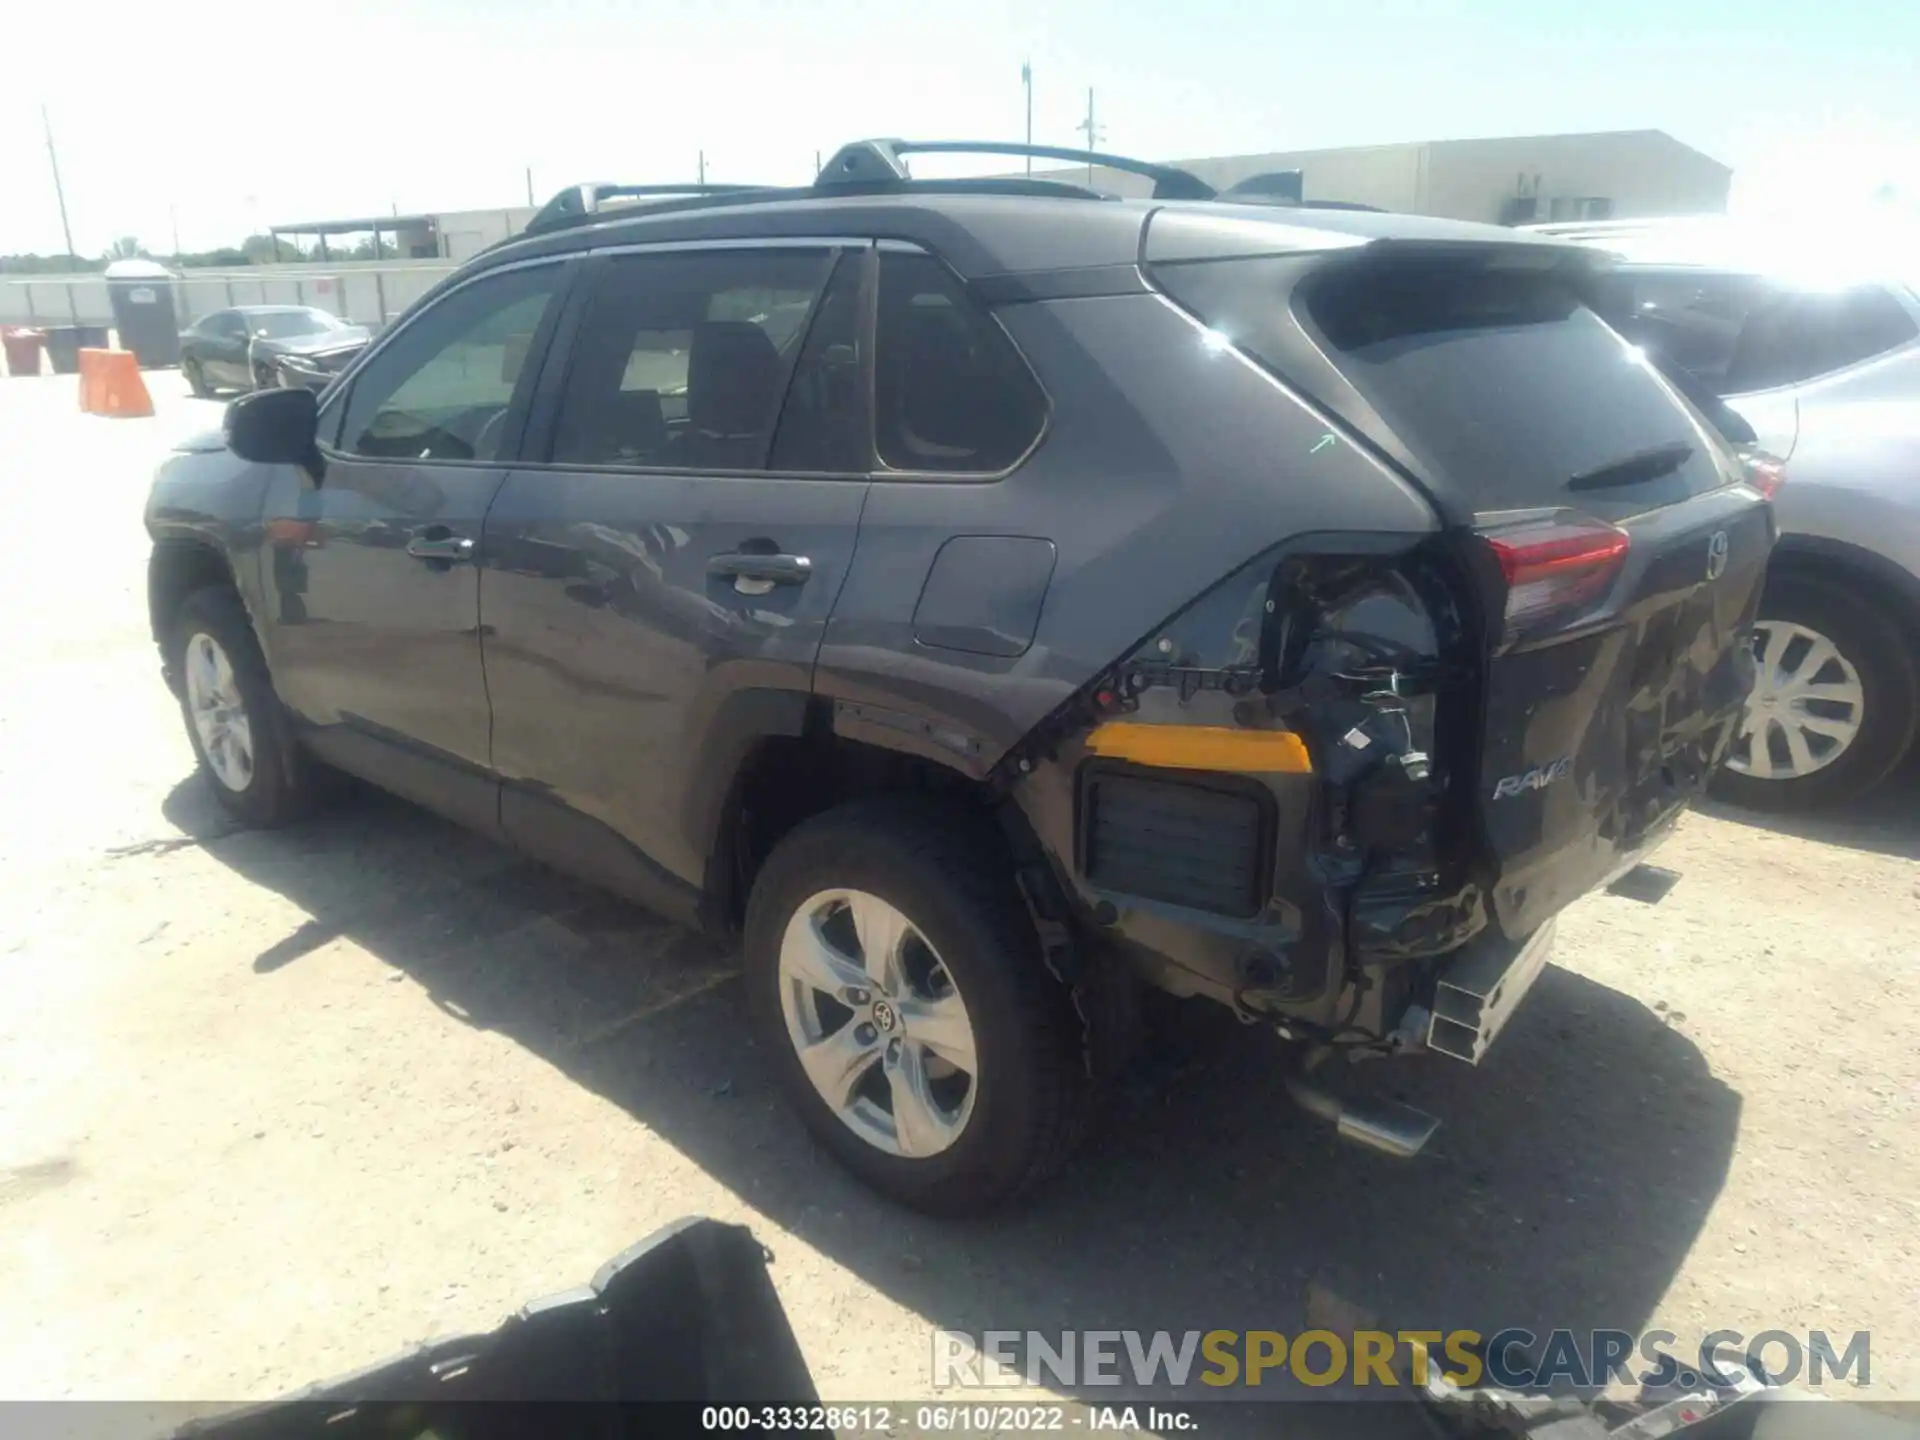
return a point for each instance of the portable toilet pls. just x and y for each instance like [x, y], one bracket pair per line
[141, 293]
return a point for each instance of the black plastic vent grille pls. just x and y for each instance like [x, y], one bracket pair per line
[1187, 844]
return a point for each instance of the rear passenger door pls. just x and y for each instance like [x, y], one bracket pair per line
[665, 557]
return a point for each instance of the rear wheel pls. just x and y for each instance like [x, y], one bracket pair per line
[238, 730]
[196, 378]
[896, 983]
[264, 376]
[1835, 701]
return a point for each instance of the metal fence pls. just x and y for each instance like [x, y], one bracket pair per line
[370, 294]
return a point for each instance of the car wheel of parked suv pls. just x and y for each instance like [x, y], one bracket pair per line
[234, 721]
[896, 982]
[1834, 704]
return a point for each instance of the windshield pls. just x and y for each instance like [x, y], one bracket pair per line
[283, 324]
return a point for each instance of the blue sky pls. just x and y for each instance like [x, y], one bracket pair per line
[249, 114]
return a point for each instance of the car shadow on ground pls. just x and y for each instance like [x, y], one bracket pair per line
[1884, 822]
[1569, 1181]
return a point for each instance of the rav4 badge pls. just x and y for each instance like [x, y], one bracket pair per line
[1537, 778]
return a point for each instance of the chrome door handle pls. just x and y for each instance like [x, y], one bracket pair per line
[757, 574]
[444, 546]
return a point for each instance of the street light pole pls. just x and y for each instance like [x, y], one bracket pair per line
[1026, 79]
[59, 193]
[1093, 132]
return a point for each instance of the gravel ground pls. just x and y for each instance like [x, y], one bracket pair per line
[275, 1105]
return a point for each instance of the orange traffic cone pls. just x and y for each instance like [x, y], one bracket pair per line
[110, 384]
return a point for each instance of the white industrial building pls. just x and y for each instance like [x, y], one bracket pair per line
[1619, 174]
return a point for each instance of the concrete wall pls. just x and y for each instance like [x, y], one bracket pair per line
[369, 292]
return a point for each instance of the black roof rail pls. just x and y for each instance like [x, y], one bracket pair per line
[871, 163]
[578, 203]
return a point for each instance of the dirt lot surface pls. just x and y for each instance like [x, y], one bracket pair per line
[273, 1105]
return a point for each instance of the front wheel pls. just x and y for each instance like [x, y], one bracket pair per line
[252, 763]
[1835, 701]
[196, 378]
[896, 982]
[265, 377]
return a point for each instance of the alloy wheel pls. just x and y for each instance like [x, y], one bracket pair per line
[1806, 708]
[219, 713]
[880, 1030]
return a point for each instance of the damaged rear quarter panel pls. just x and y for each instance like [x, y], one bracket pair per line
[1168, 462]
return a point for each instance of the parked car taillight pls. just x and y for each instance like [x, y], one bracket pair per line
[1555, 567]
[1763, 472]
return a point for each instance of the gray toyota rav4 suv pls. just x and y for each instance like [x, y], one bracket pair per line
[991, 597]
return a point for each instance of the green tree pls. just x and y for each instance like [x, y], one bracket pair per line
[125, 248]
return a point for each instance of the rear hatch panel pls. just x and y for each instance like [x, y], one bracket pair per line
[1595, 736]
[1570, 736]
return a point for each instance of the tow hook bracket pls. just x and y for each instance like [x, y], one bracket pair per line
[1384, 1125]
[1648, 884]
[1479, 990]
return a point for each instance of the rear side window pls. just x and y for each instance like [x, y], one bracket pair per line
[682, 361]
[950, 391]
[1503, 382]
[824, 425]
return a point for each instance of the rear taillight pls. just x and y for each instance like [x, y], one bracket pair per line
[1763, 473]
[1555, 568]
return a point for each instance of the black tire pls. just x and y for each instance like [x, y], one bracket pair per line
[1877, 649]
[196, 379]
[283, 782]
[948, 872]
[265, 377]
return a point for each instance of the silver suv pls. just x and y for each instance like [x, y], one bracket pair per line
[1812, 340]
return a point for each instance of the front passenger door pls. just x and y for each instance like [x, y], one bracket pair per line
[373, 586]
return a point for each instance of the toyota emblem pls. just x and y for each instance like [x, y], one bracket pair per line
[1717, 549]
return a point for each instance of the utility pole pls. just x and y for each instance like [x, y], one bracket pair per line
[1093, 132]
[529, 185]
[59, 193]
[816, 165]
[703, 167]
[1026, 79]
[173, 214]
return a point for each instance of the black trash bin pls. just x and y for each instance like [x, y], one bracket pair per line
[141, 293]
[65, 342]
